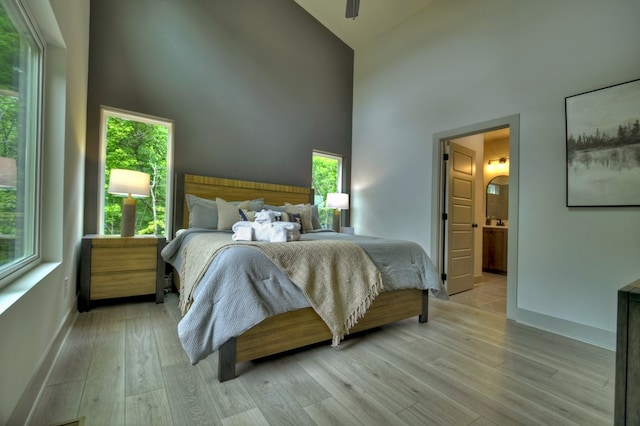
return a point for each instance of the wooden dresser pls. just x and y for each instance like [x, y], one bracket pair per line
[627, 393]
[114, 266]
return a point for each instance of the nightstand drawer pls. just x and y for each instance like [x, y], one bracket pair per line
[115, 267]
[106, 260]
[123, 284]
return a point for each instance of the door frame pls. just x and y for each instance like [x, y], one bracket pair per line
[438, 234]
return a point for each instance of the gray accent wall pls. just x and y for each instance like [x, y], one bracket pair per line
[253, 86]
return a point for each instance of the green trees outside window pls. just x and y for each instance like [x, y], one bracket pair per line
[140, 146]
[8, 155]
[21, 56]
[326, 178]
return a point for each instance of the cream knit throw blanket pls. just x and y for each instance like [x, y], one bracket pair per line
[338, 277]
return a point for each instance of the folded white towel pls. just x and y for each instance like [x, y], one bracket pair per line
[267, 216]
[260, 231]
[269, 231]
[241, 224]
[278, 234]
[289, 226]
[242, 231]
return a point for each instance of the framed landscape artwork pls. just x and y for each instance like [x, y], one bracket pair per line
[603, 146]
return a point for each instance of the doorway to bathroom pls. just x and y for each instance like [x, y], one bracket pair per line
[489, 277]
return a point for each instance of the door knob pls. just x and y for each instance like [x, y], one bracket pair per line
[474, 225]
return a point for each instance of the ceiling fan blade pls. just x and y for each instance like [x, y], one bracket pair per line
[352, 8]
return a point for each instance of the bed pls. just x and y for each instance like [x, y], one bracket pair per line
[244, 307]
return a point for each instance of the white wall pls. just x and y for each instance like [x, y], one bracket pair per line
[462, 62]
[35, 308]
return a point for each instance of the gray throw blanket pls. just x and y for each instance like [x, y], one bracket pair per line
[338, 277]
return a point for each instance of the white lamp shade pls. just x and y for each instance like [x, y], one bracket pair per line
[337, 201]
[129, 182]
[8, 172]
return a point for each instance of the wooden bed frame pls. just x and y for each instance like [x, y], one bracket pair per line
[302, 327]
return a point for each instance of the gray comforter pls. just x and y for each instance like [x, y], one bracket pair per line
[242, 287]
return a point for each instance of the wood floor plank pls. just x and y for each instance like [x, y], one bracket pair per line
[58, 402]
[476, 348]
[412, 364]
[329, 412]
[300, 386]
[465, 366]
[188, 397]
[229, 398]
[148, 408]
[599, 401]
[420, 414]
[483, 422]
[529, 401]
[271, 397]
[165, 331]
[141, 357]
[441, 409]
[537, 346]
[377, 378]
[353, 398]
[252, 417]
[103, 396]
[75, 355]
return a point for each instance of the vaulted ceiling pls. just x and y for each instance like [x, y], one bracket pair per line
[375, 17]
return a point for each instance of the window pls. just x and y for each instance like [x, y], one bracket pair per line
[326, 178]
[142, 143]
[21, 62]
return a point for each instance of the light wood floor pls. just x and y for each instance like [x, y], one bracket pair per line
[124, 365]
[489, 293]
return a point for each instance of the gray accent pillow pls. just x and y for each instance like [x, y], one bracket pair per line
[315, 217]
[203, 213]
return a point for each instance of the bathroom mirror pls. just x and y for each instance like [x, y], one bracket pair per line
[498, 198]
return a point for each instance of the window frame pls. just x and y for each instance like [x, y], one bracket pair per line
[105, 113]
[33, 139]
[332, 156]
[340, 168]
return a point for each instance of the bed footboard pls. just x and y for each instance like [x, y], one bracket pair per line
[304, 327]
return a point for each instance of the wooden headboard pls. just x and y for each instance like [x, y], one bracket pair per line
[238, 190]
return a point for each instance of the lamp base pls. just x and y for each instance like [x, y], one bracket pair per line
[128, 224]
[336, 220]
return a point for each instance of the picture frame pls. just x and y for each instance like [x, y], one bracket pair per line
[603, 146]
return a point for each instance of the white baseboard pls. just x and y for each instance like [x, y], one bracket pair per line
[584, 333]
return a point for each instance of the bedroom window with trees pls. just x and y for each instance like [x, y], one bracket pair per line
[142, 143]
[21, 66]
[326, 178]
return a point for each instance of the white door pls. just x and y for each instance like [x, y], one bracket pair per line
[460, 226]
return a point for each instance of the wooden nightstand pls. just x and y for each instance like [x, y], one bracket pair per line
[114, 266]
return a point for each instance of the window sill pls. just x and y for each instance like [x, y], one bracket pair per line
[14, 291]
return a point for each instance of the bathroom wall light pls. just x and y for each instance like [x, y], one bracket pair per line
[499, 163]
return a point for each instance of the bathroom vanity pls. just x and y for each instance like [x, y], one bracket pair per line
[494, 249]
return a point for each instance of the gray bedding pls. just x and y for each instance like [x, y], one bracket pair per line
[242, 287]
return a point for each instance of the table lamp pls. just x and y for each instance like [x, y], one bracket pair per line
[129, 183]
[338, 202]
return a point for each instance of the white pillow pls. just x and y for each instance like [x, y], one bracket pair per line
[305, 212]
[228, 212]
[203, 213]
